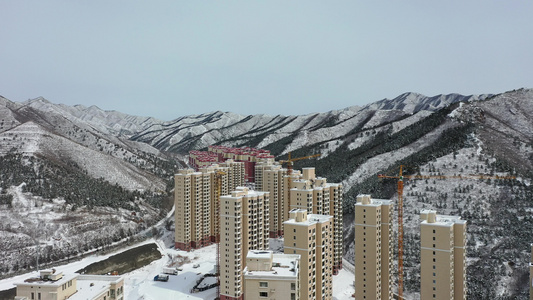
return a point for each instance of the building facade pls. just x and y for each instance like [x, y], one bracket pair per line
[311, 236]
[243, 227]
[271, 276]
[442, 256]
[307, 191]
[196, 202]
[247, 155]
[319, 197]
[270, 178]
[373, 248]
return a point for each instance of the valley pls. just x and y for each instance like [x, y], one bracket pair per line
[78, 178]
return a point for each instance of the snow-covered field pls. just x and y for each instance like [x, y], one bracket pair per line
[140, 284]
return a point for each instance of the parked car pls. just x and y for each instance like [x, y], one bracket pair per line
[161, 277]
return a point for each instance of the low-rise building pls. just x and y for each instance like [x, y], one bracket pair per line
[272, 276]
[52, 285]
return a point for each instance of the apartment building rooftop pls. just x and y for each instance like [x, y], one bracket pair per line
[367, 200]
[244, 191]
[429, 216]
[72, 286]
[300, 217]
[48, 278]
[94, 286]
[263, 264]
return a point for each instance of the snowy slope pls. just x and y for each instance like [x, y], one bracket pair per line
[493, 135]
[414, 102]
[30, 138]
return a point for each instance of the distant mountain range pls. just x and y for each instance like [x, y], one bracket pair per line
[90, 166]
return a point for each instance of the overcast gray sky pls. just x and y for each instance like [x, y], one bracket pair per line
[167, 59]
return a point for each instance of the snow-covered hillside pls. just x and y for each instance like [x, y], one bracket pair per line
[443, 134]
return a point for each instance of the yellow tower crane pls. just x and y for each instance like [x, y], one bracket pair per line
[401, 178]
[290, 162]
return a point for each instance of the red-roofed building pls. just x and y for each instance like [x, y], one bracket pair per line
[217, 154]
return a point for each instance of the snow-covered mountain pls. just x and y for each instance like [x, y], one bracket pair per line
[414, 102]
[71, 181]
[444, 134]
[200, 131]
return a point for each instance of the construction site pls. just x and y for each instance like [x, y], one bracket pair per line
[239, 198]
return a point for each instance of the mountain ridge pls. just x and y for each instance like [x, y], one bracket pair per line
[444, 134]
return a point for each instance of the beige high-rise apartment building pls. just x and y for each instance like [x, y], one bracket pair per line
[235, 170]
[311, 236]
[442, 256]
[319, 197]
[335, 210]
[308, 192]
[270, 178]
[211, 173]
[243, 227]
[373, 248]
[196, 202]
[272, 276]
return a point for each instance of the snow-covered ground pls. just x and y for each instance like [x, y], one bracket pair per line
[8, 283]
[140, 284]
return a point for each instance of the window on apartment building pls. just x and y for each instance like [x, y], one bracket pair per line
[39, 296]
[32, 295]
[263, 284]
[263, 294]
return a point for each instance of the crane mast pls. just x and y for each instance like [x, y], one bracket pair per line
[400, 235]
[290, 161]
[401, 179]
